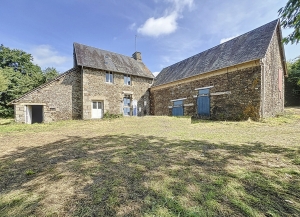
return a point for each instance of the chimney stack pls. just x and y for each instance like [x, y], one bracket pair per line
[137, 56]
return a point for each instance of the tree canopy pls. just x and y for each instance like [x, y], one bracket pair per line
[294, 72]
[292, 84]
[18, 75]
[3, 81]
[290, 18]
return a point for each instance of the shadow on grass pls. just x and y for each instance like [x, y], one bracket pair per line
[135, 175]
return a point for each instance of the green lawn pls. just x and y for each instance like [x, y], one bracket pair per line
[151, 166]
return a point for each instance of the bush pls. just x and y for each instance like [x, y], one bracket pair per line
[108, 115]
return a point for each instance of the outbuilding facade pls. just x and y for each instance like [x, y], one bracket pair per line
[236, 80]
[100, 82]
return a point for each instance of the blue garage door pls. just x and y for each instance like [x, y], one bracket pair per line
[177, 109]
[203, 103]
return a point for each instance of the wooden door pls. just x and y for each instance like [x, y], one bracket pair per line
[203, 103]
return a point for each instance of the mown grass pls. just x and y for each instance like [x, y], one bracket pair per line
[151, 166]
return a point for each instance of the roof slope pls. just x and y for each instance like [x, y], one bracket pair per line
[244, 48]
[43, 85]
[106, 60]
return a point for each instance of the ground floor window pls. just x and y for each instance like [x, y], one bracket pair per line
[126, 105]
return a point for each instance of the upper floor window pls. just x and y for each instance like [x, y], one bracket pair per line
[127, 80]
[109, 78]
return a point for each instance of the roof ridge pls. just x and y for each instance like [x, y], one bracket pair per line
[224, 42]
[104, 50]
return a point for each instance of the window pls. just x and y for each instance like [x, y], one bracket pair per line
[127, 80]
[109, 78]
[126, 105]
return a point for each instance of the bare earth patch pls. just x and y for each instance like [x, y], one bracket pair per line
[151, 166]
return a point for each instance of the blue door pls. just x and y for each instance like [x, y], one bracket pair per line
[177, 109]
[203, 103]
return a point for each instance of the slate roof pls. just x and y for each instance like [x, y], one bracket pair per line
[250, 46]
[101, 59]
[43, 85]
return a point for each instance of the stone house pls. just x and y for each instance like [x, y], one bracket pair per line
[100, 82]
[238, 79]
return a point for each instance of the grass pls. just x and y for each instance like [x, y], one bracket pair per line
[151, 166]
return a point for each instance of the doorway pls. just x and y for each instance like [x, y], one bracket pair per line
[97, 109]
[203, 103]
[34, 114]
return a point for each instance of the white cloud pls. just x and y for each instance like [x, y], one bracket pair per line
[45, 56]
[166, 24]
[155, 73]
[160, 26]
[227, 39]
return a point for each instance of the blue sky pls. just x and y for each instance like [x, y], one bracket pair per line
[167, 30]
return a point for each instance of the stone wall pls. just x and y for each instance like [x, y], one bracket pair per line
[95, 88]
[61, 98]
[272, 64]
[233, 95]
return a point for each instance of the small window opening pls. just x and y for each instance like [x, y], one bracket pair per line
[127, 80]
[109, 78]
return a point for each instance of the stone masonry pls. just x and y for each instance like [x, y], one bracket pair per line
[96, 88]
[272, 70]
[61, 98]
[233, 95]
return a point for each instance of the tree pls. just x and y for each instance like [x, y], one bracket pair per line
[292, 84]
[294, 72]
[50, 73]
[290, 18]
[3, 82]
[21, 75]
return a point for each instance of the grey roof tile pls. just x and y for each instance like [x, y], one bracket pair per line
[101, 59]
[249, 46]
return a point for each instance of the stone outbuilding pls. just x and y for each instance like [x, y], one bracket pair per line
[100, 82]
[236, 80]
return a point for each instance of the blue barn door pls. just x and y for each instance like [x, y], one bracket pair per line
[177, 109]
[203, 103]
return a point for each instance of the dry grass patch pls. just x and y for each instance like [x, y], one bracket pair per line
[151, 166]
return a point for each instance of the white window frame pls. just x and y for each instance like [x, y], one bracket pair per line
[126, 76]
[110, 81]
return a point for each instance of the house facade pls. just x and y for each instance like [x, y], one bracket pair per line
[239, 79]
[100, 82]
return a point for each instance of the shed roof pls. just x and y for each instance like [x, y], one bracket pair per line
[250, 46]
[101, 59]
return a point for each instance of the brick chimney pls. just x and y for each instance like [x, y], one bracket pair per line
[137, 56]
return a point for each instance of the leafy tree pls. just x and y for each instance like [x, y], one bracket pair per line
[21, 74]
[294, 72]
[290, 18]
[3, 82]
[292, 84]
[50, 73]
